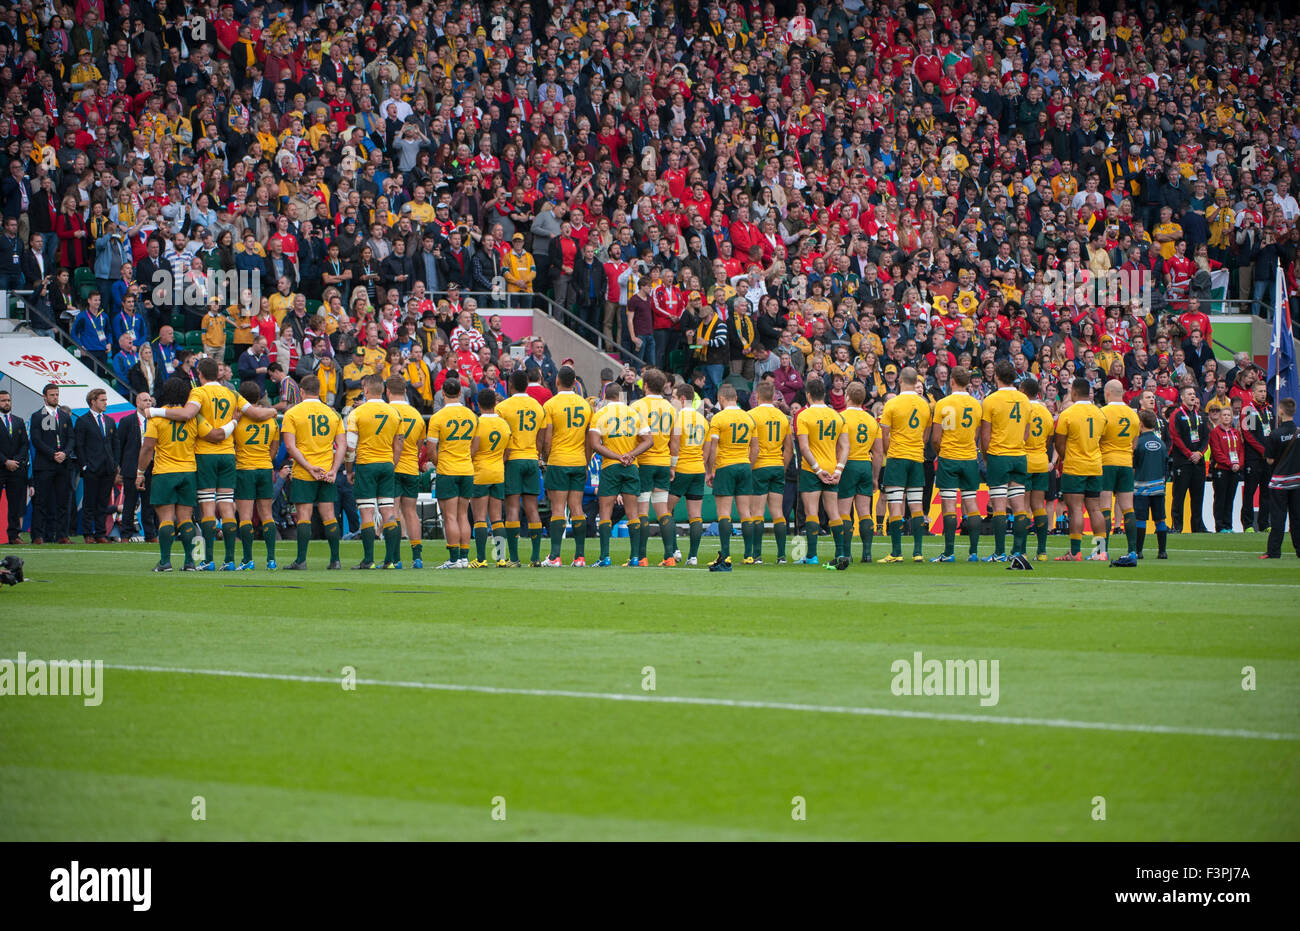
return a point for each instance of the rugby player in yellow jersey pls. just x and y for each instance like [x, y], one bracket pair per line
[375, 442]
[1078, 449]
[563, 444]
[953, 433]
[903, 424]
[686, 467]
[218, 405]
[488, 452]
[618, 435]
[1039, 451]
[824, 449]
[729, 453]
[653, 465]
[775, 447]
[169, 445]
[523, 475]
[406, 476]
[1117, 445]
[255, 447]
[857, 487]
[312, 434]
[1003, 433]
[451, 431]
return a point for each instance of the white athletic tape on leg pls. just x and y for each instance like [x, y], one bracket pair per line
[894, 496]
[1015, 491]
[643, 497]
[948, 494]
[205, 496]
[914, 496]
[385, 502]
[997, 491]
[659, 497]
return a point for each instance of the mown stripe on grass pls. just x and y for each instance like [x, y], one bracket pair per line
[731, 703]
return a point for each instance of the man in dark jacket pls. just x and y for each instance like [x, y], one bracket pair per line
[13, 466]
[129, 436]
[52, 450]
[95, 438]
[588, 287]
[397, 270]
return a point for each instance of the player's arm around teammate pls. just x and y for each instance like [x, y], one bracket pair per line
[256, 446]
[618, 435]
[686, 469]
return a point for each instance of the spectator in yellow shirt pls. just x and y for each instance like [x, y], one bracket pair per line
[1167, 233]
[214, 330]
[520, 269]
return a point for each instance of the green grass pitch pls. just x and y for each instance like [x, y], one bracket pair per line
[771, 684]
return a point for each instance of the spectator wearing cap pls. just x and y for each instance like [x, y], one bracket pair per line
[520, 270]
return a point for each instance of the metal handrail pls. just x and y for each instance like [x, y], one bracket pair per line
[105, 372]
[584, 329]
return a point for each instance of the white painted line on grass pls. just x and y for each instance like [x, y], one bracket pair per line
[732, 703]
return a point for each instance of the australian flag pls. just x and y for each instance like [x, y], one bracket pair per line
[1283, 376]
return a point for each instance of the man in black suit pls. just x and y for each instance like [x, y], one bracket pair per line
[130, 434]
[16, 191]
[13, 465]
[95, 438]
[53, 446]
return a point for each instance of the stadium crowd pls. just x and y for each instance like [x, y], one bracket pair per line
[830, 194]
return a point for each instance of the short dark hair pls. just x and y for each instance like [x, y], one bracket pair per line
[1028, 387]
[1004, 372]
[566, 378]
[613, 391]
[815, 388]
[250, 391]
[487, 399]
[1081, 387]
[518, 381]
[310, 384]
[451, 387]
[396, 384]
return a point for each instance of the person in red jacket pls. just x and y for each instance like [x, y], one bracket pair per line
[1194, 319]
[1227, 455]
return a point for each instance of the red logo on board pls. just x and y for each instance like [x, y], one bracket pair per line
[51, 369]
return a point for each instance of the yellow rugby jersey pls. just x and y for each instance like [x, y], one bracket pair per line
[660, 416]
[253, 444]
[174, 443]
[823, 426]
[568, 416]
[525, 417]
[619, 426]
[907, 415]
[314, 426]
[772, 427]
[733, 429]
[376, 425]
[493, 440]
[959, 415]
[452, 428]
[217, 405]
[1122, 427]
[1082, 425]
[694, 430]
[411, 426]
[1041, 428]
[863, 431]
[1006, 411]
